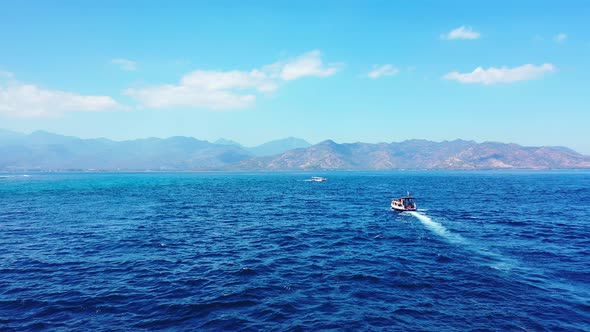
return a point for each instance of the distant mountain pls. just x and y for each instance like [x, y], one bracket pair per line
[269, 148]
[419, 154]
[223, 141]
[279, 146]
[7, 134]
[46, 151]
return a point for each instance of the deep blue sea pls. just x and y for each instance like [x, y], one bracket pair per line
[487, 251]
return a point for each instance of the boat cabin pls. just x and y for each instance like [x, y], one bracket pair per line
[406, 203]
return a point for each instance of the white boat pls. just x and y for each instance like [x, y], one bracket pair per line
[318, 179]
[406, 203]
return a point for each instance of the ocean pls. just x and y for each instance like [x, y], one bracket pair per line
[486, 251]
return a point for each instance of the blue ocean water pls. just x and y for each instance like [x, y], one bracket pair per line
[487, 251]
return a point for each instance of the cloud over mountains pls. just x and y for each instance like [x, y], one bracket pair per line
[233, 89]
[28, 100]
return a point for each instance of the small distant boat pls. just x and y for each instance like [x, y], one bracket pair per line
[406, 203]
[318, 179]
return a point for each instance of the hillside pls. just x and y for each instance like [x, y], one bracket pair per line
[46, 151]
[420, 154]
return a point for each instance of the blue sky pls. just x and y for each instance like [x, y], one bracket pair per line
[253, 71]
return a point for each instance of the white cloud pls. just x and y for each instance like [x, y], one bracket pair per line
[560, 37]
[384, 70]
[461, 32]
[308, 64]
[27, 100]
[125, 64]
[216, 90]
[6, 74]
[494, 75]
[219, 80]
[219, 90]
[165, 96]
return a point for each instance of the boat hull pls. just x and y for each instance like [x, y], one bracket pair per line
[401, 208]
[318, 179]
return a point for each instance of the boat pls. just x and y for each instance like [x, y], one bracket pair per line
[406, 203]
[318, 179]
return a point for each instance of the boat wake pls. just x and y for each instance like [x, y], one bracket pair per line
[14, 176]
[438, 228]
[499, 262]
[490, 258]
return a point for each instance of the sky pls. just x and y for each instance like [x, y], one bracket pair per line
[255, 71]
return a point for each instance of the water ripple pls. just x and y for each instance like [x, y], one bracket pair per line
[266, 251]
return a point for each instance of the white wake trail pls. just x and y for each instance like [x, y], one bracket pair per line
[501, 263]
[438, 228]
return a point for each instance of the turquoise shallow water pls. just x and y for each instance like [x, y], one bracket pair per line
[497, 251]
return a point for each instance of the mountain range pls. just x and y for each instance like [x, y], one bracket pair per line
[269, 148]
[42, 150]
